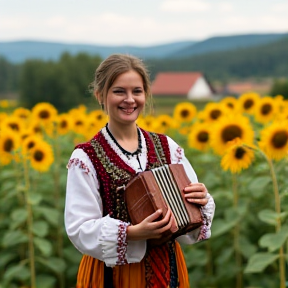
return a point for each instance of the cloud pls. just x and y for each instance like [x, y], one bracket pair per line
[181, 6]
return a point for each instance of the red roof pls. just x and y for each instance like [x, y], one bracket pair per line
[174, 83]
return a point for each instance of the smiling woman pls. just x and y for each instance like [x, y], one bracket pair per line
[116, 253]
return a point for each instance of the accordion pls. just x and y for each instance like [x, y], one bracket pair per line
[162, 188]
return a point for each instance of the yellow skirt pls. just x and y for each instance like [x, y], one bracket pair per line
[91, 273]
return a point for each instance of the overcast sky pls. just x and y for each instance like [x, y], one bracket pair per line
[138, 22]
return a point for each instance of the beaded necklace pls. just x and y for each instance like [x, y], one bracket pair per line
[125, 152]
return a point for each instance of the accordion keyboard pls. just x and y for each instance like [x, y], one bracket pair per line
[171, 194]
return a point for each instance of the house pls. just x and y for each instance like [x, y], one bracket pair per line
[238, 88]
[189, 85]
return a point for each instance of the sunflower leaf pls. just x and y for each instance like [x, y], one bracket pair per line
[259, 261]
[268, 216]
[34, 199]
[274, 241]
[43, 245]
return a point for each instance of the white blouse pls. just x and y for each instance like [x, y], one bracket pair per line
[104, 238]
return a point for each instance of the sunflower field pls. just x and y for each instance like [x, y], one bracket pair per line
[237, 146]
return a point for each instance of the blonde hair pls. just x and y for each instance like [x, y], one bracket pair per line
[112, 67]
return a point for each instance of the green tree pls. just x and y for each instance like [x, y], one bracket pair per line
[280, 87]
[63, 84]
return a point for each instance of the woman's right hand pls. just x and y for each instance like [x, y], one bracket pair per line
[149, 228]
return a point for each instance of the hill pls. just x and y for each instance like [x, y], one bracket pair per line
[266, 60]
[19, 51]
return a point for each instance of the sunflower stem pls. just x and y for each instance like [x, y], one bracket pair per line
[29, 226]
[238, 257]
[277, 199]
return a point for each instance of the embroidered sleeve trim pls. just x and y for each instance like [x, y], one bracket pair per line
[122, 243]
[79, 163]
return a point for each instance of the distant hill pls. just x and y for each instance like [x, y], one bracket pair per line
[19, 51]
[265, 60]
[226, 43]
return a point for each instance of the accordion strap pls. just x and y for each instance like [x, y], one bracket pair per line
[156, 150]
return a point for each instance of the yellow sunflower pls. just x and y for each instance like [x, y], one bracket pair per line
[247, 102]
[29, 142]
[13, 123]
[266, 109]
[237, 157]
[3, 116]
[230, 102]
[41, 156]
[162, 123]
[4, 104]
[213, 112]
[44, 112]
[146, 122]
[184, 112]
[274, 140]
[199, 136]
[9, 143]
[97, 119]
[227, 129]
[80, 123]
[22, 113]
[64, 123]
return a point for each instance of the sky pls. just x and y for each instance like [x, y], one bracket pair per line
[138, 22]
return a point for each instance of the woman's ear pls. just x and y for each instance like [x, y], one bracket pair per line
[98, 97]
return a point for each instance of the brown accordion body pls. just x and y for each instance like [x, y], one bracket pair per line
[162, 188]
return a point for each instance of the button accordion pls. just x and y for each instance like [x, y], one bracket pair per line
[161, 188]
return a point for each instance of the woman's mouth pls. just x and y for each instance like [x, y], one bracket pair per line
[128, 110]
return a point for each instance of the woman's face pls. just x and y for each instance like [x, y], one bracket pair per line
[125, 98]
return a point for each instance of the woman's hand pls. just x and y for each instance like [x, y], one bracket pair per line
[149, 228]
[196, 193]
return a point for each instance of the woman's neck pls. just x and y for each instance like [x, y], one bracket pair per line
[124, 133]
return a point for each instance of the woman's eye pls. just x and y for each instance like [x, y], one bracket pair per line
[118, 91]
[138, 91]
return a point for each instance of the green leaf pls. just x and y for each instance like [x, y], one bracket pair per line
[18, 272]
[268, 216]
[34, 199]
[55, 264]
[40, 228]
[6, 258]
[19, 216]
[273, 241]
[259, 261]
[258, 186]
[11, 238]
[196, 257]
[43, 245]
[220, 227]
[50, 214]
[45, 281]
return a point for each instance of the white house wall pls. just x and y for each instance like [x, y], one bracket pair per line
[200, 90]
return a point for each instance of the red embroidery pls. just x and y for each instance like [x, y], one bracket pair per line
[122, 244]
[79, 163]
[178, 154]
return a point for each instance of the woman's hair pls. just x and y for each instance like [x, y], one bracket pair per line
[112, 67]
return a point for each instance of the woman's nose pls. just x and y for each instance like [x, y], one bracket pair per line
[129, 98]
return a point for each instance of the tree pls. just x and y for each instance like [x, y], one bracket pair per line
[280, 87]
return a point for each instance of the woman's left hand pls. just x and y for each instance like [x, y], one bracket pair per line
[196, 193]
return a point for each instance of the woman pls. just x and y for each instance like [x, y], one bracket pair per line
[115, 253]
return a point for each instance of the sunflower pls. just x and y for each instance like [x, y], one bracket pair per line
[266, 109]
[199, 136]
[29, 142]
[247, 102]
[41, 156]
[3, 116]
[80, 123]
[4, 104]
[22, 113]
[230, 102]
[184, 112]
[227, 129]
[44, 112]
[162, 123]
[13, 123]
[213, 112]
[146, 122]
[274, 140]
[237, 157]
[9, 143]
[64, 123]
[97, 119]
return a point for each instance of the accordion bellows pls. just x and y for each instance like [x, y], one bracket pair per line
[162, 188]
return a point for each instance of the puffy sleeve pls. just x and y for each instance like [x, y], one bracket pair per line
[101, 237]
[204, 231]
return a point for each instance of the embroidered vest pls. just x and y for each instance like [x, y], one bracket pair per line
[113, 172]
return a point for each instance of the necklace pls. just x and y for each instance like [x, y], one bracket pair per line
[127, 153]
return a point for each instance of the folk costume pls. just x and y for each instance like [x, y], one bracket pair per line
[96, 218]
